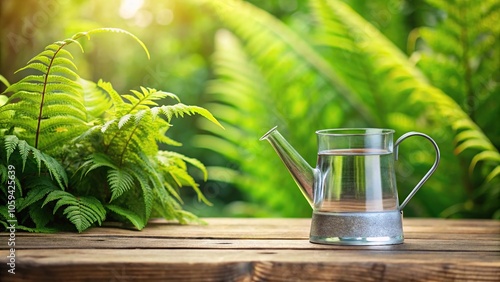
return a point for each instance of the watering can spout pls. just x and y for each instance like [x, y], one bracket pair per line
[301, 171]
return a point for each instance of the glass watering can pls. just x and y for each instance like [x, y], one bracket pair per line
[353, 189]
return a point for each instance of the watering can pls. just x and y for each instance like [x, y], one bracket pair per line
[352, 189]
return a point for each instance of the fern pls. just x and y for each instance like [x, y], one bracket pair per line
[468, 60]
[48, 108]
[130, 142]
[37, 174]
[56, 124]
[174, 165]
[95, 98]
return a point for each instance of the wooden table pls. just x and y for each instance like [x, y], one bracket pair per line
[255, 250]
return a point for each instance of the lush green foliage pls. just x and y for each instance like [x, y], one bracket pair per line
[347, 74]
[317, 67]
[464, 47]
[82, 153]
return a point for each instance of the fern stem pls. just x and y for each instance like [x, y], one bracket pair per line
[126, 144]
[128, 112]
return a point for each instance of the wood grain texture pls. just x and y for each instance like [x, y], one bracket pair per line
[255, 250]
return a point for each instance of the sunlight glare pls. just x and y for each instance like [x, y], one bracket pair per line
[129, 8]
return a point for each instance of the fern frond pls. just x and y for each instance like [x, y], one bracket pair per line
[243, 93]
[125, 139]
[82, 211]
[468, 73]
[147, 193]
[52, 110]
[3, 176]
[24, 150]
[56, 171]
[169, 157]
[55, 91]
[10, 144]
[41, 217]
[267, 39]
[165, 204]
[43, 93]
[97, 160]
[483, 157]
[131, 217]
[38, 190]
[174, 165]
[180, 109]
[468, 59]
[162, 138]
[143, 100]
[115, 30]
[123, 120]
[98, 99]
[120, 181]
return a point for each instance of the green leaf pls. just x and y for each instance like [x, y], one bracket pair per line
[480, 144]
[131, 217]
[4, 81]
[494, 173]
[3, 99]
[120, 181]
[484, 156]
[11, 142]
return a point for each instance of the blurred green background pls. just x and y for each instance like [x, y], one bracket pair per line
[429, 66]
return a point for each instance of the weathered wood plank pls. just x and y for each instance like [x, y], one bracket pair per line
[272, 228]
[256, 249]
[112, 242]
[254, 265]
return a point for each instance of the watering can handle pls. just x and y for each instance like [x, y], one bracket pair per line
[428, 174]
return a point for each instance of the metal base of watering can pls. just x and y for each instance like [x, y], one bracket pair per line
[357, 228]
